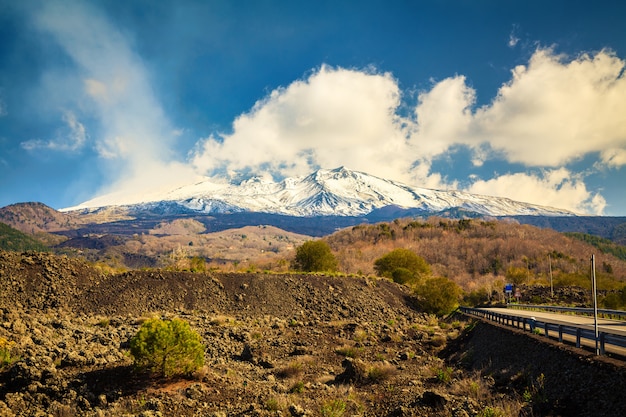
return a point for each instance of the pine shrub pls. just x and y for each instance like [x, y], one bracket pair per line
[167, 347]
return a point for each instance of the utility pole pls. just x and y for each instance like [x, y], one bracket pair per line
[594, 291]
[550, 266]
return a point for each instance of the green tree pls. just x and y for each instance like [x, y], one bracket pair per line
[402, 265]
[516, 275]
[315, 255]
[614, 300]
[403, 275]
[197, 264]
[167, 347]
[438, 295]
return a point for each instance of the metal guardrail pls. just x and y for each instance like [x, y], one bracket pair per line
[550, 329]
[610, 314]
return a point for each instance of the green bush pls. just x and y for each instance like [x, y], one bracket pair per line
[7, 355]
[402, 265]
[333, 408]
[516, 275]
[167, 347]
[573, 279]
[438, 295]
[476, 297]
[315, 256]
[614, 300]
[403, 276]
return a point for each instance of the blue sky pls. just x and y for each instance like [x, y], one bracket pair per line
[522, 99]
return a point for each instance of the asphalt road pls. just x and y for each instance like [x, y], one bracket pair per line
[615, 327]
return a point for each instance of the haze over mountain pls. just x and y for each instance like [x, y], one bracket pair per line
[337, 192]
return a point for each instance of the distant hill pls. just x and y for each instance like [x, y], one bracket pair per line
[613, 228]
[36, 217]
[134, 240]
[478, 253]
[13, 240]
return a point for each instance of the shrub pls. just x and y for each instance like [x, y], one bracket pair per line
[348, 351]
[492, 412]
[315, 256]
[7, 356]
[333, 408]
[197, 264]
[297, 388]
[272, 405]
[476, 297]
[168, 347]
[294, 369]
[402, 265]
[572, 280]
[403, 276]
[615, 300]
[438, 295]
[379, 373]
[444, 375]
[517, 275]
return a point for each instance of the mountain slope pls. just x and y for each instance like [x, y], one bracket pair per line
[35, 217]
[338, 192]
[13, 240]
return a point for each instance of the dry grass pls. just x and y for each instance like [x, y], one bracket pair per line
[294, 369]
[381, 373]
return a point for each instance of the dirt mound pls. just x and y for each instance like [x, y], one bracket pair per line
[299, 297]
[43, 281]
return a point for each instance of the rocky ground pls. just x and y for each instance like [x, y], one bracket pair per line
[290, 345]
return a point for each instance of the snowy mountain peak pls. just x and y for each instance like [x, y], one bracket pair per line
[339, 192]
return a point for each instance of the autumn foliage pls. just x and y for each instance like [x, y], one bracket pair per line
[477, 254]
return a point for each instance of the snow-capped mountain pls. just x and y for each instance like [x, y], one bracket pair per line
[337, 192]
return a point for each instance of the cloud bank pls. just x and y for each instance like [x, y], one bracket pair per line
[552, 112]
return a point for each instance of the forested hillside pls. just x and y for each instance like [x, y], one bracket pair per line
[476, 253]
[14, 240]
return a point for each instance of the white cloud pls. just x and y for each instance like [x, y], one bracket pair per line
[552, 112]
[334, 117]
[513, 38]
[614, 158]
[134, 135]
[69, 139]
[96, 89]
[444, 116]
[555, 111]
[3, 108]
[554, 188]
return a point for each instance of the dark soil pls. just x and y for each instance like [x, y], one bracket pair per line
[290, 345]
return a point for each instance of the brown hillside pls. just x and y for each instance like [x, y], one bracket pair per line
[38, 220]
[35, 217]
[475, 253]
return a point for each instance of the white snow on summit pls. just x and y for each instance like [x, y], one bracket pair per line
[339, 192]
